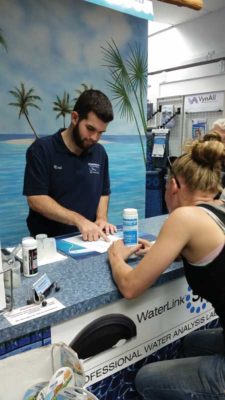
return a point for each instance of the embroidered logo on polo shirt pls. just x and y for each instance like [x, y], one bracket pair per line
[94, 168]
[57, 166]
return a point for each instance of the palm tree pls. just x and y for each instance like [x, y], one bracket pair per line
[63, 106]
[128, 84]
[2, 40]
[85, 86]
[25, 99]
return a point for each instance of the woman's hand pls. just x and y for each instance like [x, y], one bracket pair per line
[144, 246]
[118, 249]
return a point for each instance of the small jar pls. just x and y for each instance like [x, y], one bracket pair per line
[41, 247]
[29, 249]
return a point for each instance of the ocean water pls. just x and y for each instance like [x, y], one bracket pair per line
[127, 174]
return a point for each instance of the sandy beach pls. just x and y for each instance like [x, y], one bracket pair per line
[19, 141]
[29, 141]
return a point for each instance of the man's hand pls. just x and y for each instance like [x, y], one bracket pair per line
[90, 231]
[106, 226]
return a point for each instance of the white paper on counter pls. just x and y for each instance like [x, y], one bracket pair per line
[29, 312]
[100, 245]
[55, 258]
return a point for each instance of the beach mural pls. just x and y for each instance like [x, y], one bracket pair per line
[50, 52]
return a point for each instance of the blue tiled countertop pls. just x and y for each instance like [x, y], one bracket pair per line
[86, 284]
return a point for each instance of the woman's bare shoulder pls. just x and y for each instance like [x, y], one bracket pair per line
[185, 212]
[187, 216]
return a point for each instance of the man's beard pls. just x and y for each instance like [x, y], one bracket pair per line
[83, 144]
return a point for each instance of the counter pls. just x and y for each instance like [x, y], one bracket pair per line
[158, 319]
[86, 285]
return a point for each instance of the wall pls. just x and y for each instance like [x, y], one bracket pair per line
[53, 47]
[199, 40]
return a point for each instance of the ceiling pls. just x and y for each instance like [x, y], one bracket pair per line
[174, 15]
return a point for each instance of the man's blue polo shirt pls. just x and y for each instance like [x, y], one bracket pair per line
[75, 182]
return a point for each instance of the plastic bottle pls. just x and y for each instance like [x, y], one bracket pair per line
[130, 226]
[29, 248]
[41, 247]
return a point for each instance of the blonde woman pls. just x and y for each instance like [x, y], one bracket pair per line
[214, 135]
[198, 235]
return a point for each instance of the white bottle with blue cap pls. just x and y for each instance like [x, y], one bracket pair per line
[130, 226]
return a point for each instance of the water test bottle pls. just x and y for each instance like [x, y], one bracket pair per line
[130, 226]
[29, 248]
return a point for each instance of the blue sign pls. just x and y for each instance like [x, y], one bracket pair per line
[138, 8]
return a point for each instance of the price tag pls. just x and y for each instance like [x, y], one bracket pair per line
[43, 285]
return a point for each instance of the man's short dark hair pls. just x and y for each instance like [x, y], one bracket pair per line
[95, 101]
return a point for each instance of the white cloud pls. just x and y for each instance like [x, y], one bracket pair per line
[110, 28]
[69, 47]
[35, 42]
[54, 46]
[13, 15]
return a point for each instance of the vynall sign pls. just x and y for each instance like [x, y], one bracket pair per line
[203, 102]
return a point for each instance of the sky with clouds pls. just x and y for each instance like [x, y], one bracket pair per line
[54, 46]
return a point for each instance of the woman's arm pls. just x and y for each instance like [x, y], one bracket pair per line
[172, 238]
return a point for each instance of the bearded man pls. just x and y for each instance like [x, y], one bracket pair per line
[66, 178]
